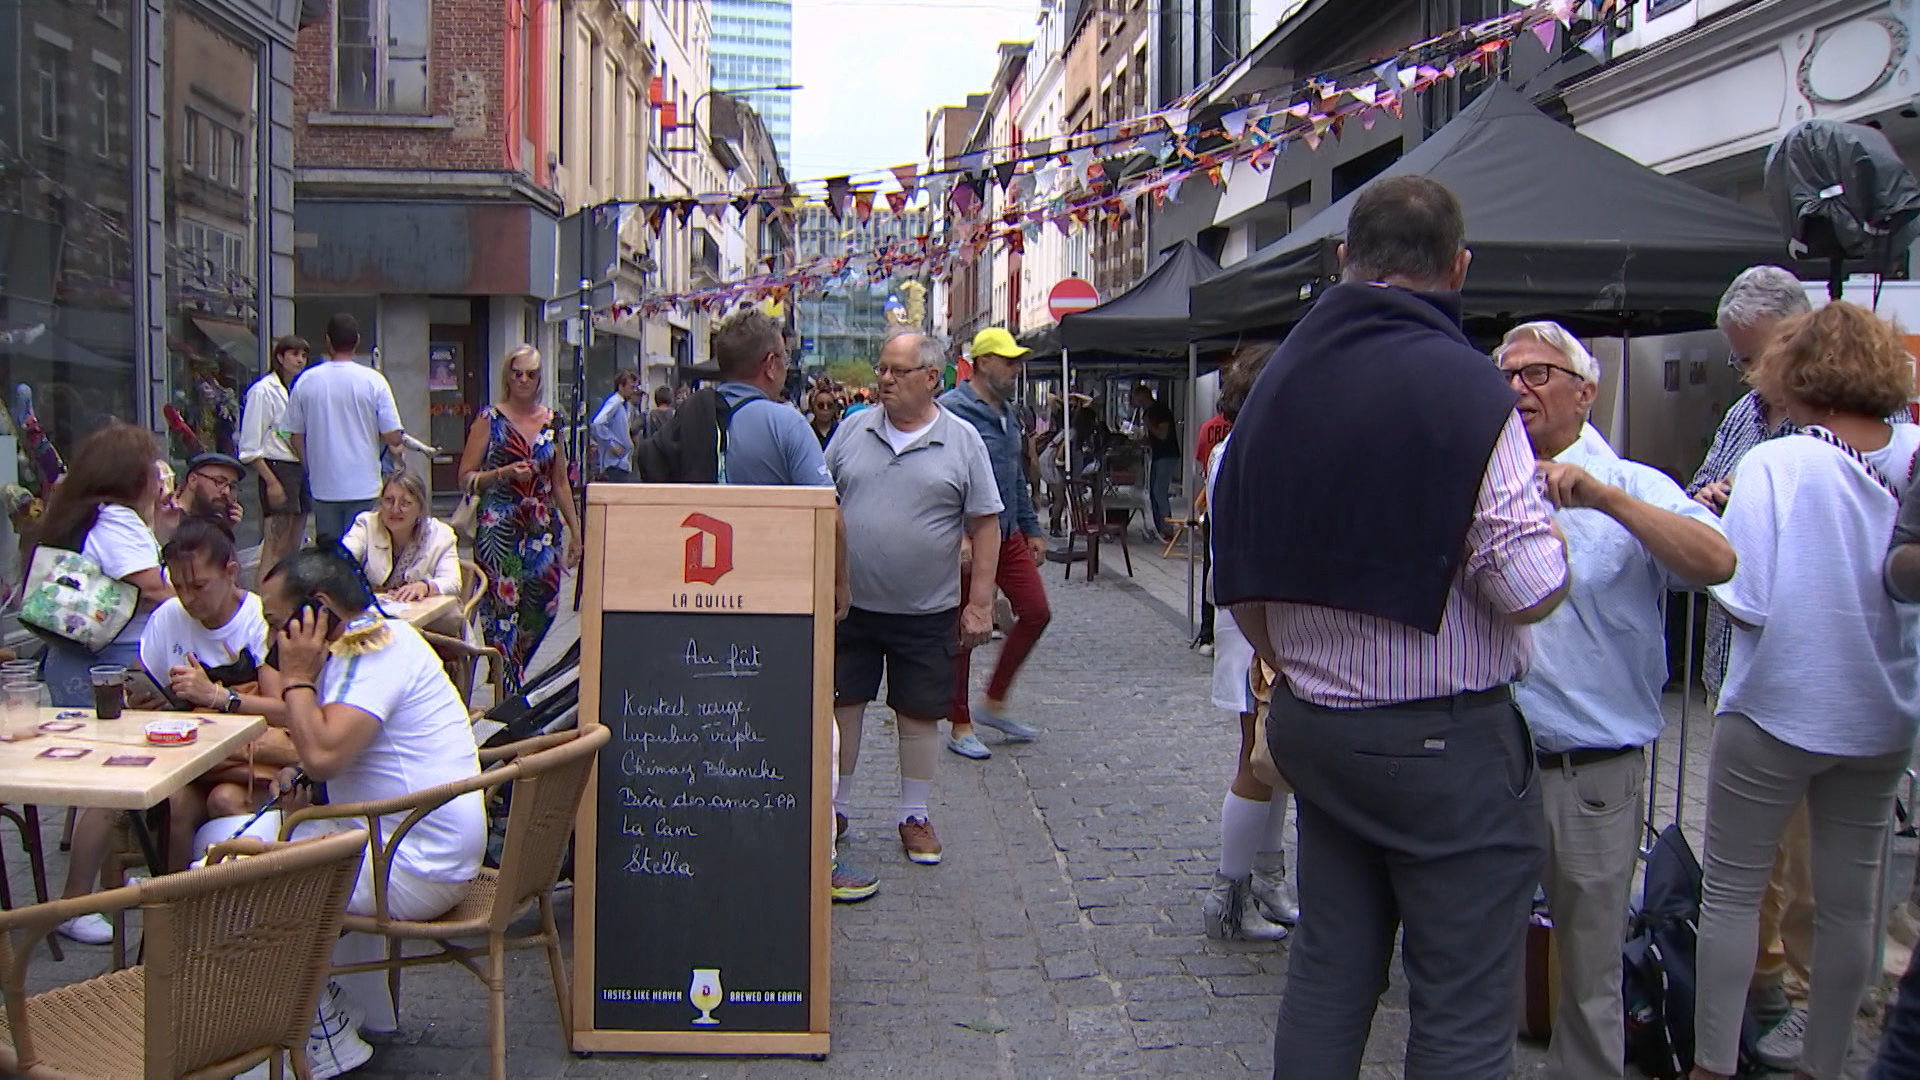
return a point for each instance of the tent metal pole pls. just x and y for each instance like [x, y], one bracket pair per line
[1066, 411]
[1188, 490]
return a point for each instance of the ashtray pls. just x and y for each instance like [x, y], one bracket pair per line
[172, 732]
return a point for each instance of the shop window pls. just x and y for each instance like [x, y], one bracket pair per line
[380, 62]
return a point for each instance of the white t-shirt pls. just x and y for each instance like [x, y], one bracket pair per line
[231, 654]
[1833, 664]
[425, 740]
[342, 407]
[898, 439]
[122, 543]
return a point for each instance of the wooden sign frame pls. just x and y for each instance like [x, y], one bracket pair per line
[780, 560]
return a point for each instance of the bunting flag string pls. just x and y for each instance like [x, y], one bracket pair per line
[1106, 182]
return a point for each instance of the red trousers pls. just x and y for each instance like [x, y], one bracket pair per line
[1019, 578]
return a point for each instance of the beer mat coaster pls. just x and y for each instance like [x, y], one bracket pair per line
[65, 753]
[59, 727]
[130, 761]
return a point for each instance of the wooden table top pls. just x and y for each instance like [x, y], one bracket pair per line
[421, 613]
[103, 764]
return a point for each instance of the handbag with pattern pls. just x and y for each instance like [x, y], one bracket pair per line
[68, 596]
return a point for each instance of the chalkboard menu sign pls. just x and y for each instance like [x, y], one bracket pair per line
[704, 794]
[701, 899]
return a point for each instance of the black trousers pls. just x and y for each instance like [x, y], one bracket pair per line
[1421, 821]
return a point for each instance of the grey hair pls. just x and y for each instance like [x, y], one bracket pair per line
[1762, 292]
[1557, 338]
[928, 351]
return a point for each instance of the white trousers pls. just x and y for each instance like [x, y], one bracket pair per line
[409, 897]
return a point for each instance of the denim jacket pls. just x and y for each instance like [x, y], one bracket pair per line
[1001, 432]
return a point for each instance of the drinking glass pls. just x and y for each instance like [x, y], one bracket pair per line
[109, 690]
[706, 995]
[22, 703]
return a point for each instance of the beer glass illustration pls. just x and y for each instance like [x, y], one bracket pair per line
[706, 994]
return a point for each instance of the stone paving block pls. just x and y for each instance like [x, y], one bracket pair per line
[1238, 985]
[1073, 965]
[1180, 1008]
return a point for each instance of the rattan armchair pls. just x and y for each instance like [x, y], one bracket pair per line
[548, 776]
[236, 956]
[461, 655]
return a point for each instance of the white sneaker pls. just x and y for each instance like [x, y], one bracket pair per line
[334, 1047]
[87, 929]
[1780, 1047]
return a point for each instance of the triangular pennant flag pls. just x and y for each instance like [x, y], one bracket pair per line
[863, 205]
[1595, 45]
[838, 188]
[683, 209]
[1300, 110]
[908, 179]
[1003, 172]
[1545, 31]
[1235, 122]
[1155, 145]
[1368, 93]
[1311, 138]
[1079, 160]
[656, 217]
[897, 202]
[1176, 119]
[1388, 73]
[965, 200]
[975, 160]
[1409, 76]
[1366, 118]
[743, 205]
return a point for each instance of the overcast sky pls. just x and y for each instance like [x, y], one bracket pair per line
[873, 68]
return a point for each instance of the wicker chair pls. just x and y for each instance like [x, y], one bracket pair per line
[237, 955]
[549, 775]
[463, 657]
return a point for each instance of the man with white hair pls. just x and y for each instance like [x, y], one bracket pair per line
[1592, 697]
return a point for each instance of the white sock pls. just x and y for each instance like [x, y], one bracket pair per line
[913, 799]
[1276, 835]
[1242, 824]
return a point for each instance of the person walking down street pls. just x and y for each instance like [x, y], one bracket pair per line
[1822, 691]
[1251, 898]
[915, 483]
[1397, 623]
[1212, 434]
[984, 401]
[339, 414]
[823, 413]
[1163, 457]
[514, 462]
[613, 429]
[1899, 1056]
[1592, 697]
[285, 501]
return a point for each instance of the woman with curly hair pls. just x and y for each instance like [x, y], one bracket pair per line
[514, 462]
[1822, 690]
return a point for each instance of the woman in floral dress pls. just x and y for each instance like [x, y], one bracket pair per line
[516, 466]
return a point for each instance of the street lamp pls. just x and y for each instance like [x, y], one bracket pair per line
[693, 111]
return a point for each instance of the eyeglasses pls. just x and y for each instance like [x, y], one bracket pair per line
[1538, 375]
[219, 483]
[882, 371]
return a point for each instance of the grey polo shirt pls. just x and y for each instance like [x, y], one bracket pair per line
[907, 512]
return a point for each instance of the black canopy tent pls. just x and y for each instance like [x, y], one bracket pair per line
[1560, 226]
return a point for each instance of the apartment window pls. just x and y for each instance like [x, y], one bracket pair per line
[566, 82]
[380, 62]
[596, 113]
[106, 92]
[217, 161]
[51, 64]
[193, 155]
[236, 160]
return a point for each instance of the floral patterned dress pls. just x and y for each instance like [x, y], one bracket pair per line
[517, 542]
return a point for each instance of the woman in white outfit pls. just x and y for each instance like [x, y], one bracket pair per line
[1251, 898]
[1823, 680]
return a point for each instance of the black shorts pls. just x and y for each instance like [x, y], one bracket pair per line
[915, 652]
[293, 480]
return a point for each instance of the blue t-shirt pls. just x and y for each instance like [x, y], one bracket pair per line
[769, 443]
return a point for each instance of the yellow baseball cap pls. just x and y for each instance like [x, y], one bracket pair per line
[994, 341]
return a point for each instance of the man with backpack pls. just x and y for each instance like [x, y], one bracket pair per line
[741, 432]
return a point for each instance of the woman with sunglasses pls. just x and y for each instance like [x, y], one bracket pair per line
[514, 462]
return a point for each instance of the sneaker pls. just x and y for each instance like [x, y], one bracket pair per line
[87, 929]
[839, 824]
[916, 836]
[1769, 1004]
[1780, 1048]
[334, 1046]
[1232, 915]
[851, 884]
[969, 746]
[1206, 648]
[1014, 730]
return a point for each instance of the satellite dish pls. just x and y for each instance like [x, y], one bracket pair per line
[1841, 193]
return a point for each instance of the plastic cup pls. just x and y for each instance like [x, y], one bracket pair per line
[109, 690]
[21, 698]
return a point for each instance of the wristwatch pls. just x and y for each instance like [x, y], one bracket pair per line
[233, 702]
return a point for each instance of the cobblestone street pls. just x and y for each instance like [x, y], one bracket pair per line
[1061, 936]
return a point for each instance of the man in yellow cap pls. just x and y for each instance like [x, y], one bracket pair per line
[985, 400]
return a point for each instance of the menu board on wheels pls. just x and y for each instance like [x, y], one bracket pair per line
[701, 851]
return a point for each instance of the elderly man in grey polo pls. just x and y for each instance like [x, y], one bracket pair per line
[914, 481]
[1592, 697]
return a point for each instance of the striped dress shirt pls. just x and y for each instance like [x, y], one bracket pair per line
[1344, 660]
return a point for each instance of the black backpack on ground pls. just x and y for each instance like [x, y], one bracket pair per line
[1659, 981]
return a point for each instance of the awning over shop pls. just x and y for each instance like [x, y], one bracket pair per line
[1560, 226]
[237, 340]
